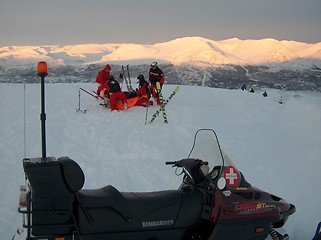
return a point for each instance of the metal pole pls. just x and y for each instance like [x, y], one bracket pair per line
[43, 119]
[42, 71]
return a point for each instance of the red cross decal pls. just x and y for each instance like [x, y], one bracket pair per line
[231, 176]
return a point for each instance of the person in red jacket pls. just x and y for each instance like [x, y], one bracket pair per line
[143, 92]
[115, 93]
[156, 75]
[103, 76]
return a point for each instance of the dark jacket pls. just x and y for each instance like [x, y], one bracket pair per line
[156, 75]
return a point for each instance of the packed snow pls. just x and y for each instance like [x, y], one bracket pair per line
[276, 146]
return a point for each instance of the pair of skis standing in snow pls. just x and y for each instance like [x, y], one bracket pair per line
[116, 99]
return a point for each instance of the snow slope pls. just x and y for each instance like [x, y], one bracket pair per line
[276, 146]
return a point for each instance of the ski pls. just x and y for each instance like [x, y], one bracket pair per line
[129, 81]
[121, 79]
[164, 104]
[124, 78]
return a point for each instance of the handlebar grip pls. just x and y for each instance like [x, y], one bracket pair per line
[170, 163]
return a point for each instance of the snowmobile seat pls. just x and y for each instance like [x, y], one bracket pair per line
[72, 173]
[131, 211]
[53, 184]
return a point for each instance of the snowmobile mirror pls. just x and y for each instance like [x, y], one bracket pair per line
[221, 183]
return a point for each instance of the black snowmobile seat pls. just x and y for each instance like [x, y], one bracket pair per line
[131, 211]
[72, 174]
[127, 210]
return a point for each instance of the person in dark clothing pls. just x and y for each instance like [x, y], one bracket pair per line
[112, 87]
[156, 75]
[143, 92]
[115, 93]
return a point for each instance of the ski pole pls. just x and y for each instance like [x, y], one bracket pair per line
[146, 115]
[78, 109]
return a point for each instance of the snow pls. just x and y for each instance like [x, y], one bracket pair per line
[276, 146]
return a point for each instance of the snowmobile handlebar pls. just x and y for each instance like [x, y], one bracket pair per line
[191, 167]
[170, 162]
[187, 163]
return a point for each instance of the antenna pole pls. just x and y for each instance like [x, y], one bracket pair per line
[24, 121]
[42, 71]
[43, 119]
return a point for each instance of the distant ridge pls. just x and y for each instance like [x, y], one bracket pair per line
[188, 50]
[265, 63]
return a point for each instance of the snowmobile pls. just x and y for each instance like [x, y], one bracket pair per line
[317, 235]
[214, 201]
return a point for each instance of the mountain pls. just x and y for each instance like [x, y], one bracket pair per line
[178, 51]
[191, 60]
[263, 51]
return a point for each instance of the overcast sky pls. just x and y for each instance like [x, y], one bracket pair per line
[62, 22]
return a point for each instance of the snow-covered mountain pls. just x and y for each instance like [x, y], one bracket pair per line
[198, 61]
[192, 50]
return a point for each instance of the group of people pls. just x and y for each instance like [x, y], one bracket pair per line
[109, 88]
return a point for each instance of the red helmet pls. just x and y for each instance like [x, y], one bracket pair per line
[108, 67]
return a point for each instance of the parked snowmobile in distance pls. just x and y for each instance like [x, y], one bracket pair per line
[213, 202]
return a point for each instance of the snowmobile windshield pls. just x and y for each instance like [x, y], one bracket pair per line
[207, 148]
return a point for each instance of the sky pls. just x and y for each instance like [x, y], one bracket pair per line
[64, 22]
